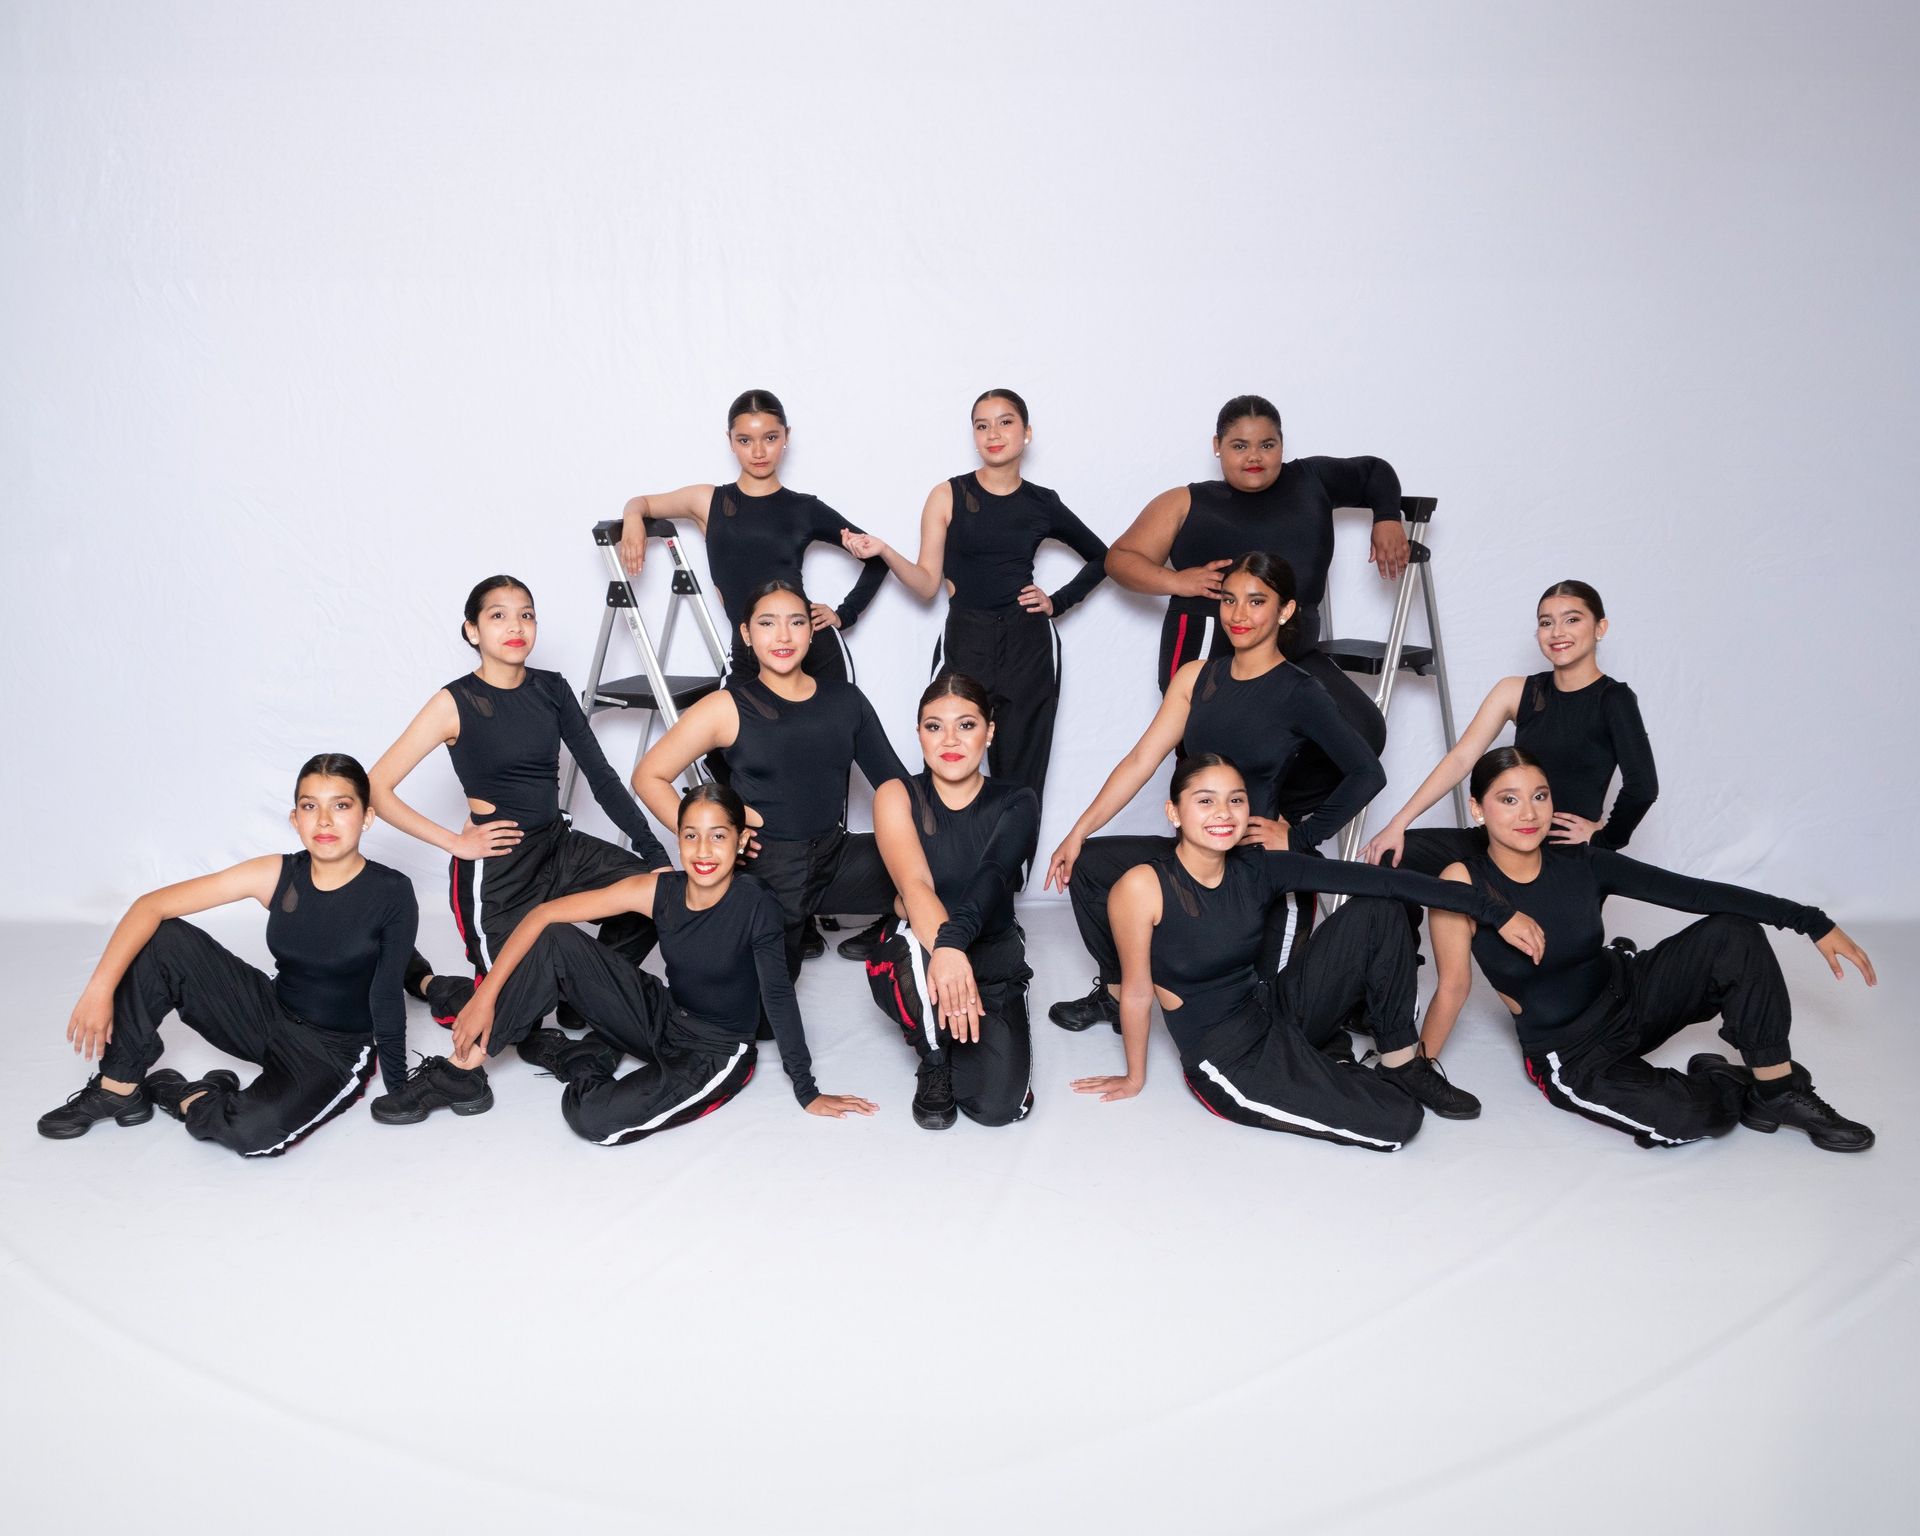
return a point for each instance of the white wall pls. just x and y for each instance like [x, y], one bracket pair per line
[313, 314]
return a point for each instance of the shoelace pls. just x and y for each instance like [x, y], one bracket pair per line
[937, 1085]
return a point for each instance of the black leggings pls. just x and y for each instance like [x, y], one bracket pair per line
[1015, 656]
[689, 1067]
[1593, 1066]
[993, 1075]
[308, 1075]
[1265, 1065]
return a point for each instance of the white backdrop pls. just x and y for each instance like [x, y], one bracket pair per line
[312, 315]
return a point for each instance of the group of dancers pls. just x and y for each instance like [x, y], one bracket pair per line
[1275, 750]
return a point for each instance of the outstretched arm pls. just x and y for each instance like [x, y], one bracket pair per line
[692, 502]
[1495, 713]
[90, 1026]
[922, 576]
[1133, 907]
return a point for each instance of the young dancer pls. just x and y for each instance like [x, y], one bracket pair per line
[502, 725]
[340, 928]
[1185, 538]
[756, 530]
[1577, 722]
[790, 740]
[1253, 706]
[722, 941]
[953, 974]
[1588, 1013]
[978, 535]
[1272, 1054]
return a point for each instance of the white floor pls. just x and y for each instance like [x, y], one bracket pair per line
[1111, 1318]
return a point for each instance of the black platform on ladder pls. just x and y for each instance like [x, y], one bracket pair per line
[637, 692]
[1370, 656]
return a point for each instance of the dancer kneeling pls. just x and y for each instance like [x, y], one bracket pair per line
[953, 975]
[1273, 1055]
[1588, 1013]
[340, 928]
[695, 1034]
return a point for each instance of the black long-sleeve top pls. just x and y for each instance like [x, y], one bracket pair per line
[1580, 736]
[978, 855]
[718, 1000]
[340, 956]
[508, 754]
[753, 539]
[1206, 946]
[991, 542]
[1262, 723]
[1565, 900]
[790, 759]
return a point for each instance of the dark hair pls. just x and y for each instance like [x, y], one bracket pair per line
[1011, 398]
[957, 685]
[766, 589]
[1271, 571]
[1579, 591]
[757, 402]
[1193, 765]
[1245, 405]
[335, 765]
[713, 794]
[478, 596]
[1500, 760]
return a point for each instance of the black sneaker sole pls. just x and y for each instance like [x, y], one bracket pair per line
[473, 1106]
[1077, 1028]
[131, 1117]
[1767, 1127]
[935, 1120]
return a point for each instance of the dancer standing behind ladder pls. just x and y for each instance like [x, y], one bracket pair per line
[1184, 540]
[1576, 721]
[953, 974]
[720, 937]
[791, 740]
[756, 531]
[1588, 1013]
[979, 533]
[340, 928]
[502, 725]
[1254, 707]
[1272, 1054]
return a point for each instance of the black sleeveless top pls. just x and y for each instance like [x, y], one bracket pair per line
[991, 542]
[1262, 723]
[753, 539]
[1580, 736]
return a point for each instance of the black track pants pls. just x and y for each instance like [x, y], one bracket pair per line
[1264, 1066]
[839, 871]
[1103, 860]
[1015, 656]
[490, 896]
[307, 1074]
[690, 1068]
[993, 1075]
[1718, 966]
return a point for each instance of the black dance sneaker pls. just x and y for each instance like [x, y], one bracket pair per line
[862, 944]
[435, 1084]
[94, 1102]
[544, 1049]
[589, 1059]
[1098, 1007]
[167, 1087]
[933, 1107]
[1791, 1101]
[1423, 1080]
[812, 946]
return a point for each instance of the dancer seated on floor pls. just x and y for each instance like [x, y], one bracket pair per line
[1273, 1053]
[790, 740]
[953, 973]
[340, 928]
[721, 939]
[978, 535]
[502, 725]
[1255, 707]
[1576, 721]
[1588, 1013]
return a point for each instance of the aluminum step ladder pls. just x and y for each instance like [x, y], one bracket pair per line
[663, 695]
[1387, 659]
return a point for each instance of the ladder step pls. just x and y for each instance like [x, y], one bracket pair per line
[637, 693]
[1370, 656]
